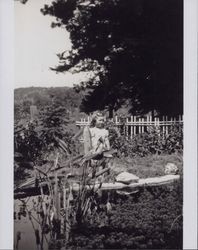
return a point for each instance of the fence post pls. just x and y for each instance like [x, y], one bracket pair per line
[151, 120]
[142, 125]
[139, 125]
[180, 122]
[116, 120]
[126, 125]
[147, 122]
[163, 125]
[155, 121]
[134, 125]
[131, 127]
[158, 125]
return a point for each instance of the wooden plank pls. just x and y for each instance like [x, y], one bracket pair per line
[166, 119]
[172, 121]
[131, 127]
[148, 122]
[155, 181]
[134, 127]
[180, 119]
[158, 125]
[142, 125]
[180, 123]
[163, 125]
[116, 119]
[139, 128]
[155, 121]
[127, 128]
[148, 182]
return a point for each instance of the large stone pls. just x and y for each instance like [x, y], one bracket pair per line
[127, 178]
[171, 169]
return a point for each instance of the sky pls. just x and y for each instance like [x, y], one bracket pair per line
[36, 46]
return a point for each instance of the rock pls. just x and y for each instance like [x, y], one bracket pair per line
[127, 178]
[171, 169]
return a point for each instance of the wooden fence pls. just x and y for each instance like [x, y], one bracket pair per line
[137, 125]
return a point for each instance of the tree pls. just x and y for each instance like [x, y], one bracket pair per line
[36, 142]
[134, 49]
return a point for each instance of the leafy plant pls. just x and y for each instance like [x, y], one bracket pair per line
[152, 142]
[150, 219]
[37, 140]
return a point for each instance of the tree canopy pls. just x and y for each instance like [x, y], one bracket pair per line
[134, 49]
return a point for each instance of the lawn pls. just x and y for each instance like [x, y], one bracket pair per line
[148, 166]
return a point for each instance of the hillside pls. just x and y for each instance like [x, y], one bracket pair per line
[42, 97]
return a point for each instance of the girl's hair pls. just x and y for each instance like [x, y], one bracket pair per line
[94, 117]
[93, 122]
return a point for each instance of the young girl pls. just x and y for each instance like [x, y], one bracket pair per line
[99, 135]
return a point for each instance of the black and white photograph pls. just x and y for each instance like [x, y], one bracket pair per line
[98, 124]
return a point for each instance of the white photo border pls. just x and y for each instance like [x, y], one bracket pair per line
[6, 123]
[190, 125]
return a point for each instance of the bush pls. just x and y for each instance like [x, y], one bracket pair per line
[151, 142]
[150, 219]
[38, 141]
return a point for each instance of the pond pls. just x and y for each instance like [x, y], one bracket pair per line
[27, 229]
[150, 218]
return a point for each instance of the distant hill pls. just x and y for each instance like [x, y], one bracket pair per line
[45, 95]
[41, 97]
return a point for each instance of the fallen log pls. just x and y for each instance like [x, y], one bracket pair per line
[148, 182]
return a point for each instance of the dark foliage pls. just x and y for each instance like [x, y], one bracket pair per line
[43, 97]
[151, 142]
[134, 48]
[27, 142]
[36, 140]
[150, 219]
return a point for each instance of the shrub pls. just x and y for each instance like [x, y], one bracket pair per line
[151, 142]
[150, 219]
[39, 140]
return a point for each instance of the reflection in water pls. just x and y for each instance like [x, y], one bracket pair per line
[36, 228]
[30, 232]
[46, 221]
